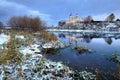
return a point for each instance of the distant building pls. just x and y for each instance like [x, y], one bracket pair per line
[71, 20]
[75, 19]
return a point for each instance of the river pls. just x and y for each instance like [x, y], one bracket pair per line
[90, 61]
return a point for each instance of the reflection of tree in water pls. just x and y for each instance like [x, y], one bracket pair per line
[88, 40]
[61, 35]
[108, 40]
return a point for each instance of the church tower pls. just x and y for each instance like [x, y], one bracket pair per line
[77, 19]
[70, 18]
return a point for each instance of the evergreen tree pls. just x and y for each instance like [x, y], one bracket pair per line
[111, 17]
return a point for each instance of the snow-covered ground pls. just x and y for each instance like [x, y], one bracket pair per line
[30, 49]
[53, 44]
[4, 38]
[34, 66]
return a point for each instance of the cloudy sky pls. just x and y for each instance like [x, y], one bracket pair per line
[53, 11]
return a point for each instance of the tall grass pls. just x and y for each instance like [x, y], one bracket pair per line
[27, 35]
[117, 75]
[47, 36]
[10, 53]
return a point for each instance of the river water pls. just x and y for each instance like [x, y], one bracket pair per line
[90, 61]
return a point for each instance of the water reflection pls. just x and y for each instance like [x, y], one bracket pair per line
[88, 40]
[90, 62]
[108, 40]
[62, 35]
[82, 38]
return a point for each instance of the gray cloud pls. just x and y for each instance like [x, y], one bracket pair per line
[54, 10]
[8, 9]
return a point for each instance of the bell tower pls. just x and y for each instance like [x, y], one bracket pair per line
[70, 17]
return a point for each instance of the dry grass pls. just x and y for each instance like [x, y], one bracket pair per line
[28, 35]
[47, 36]
[11, 54]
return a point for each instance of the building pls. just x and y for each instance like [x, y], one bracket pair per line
[71, 20]
[74, 20]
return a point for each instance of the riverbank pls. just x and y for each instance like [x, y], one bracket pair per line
[83, 31]
[32, 65]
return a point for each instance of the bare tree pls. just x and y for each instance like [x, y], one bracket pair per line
[61, 23]
[1, 25]
[27, 23]
[88, 19]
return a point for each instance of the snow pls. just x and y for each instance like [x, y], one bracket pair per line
[111, 25]
[4, 38]
[53, 44]
[30, 49]
[47, 45]
[20, 37]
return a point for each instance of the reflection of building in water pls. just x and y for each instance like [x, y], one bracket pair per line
[108, 40]
[87, 40]
[81, 39]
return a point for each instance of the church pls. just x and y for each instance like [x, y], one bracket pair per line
[74, 19]
[71, 20]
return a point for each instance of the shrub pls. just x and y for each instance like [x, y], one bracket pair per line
[27, 23]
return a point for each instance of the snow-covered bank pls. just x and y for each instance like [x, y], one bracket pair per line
[34, 66]
[53, 44]
[32, 49]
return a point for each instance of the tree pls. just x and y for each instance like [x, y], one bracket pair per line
[37, 24]
[88, 19]
[27, 23]
[117, 19]
[61, 23]
[14, 22]
[111, 17]
[1, 25]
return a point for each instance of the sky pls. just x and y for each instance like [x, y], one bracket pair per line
[53, 11]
